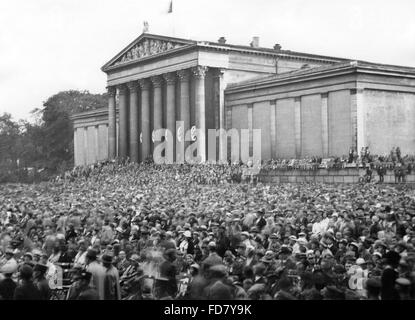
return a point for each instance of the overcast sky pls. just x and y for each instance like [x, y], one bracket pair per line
[47, 46]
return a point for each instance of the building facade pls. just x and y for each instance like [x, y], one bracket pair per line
[304, 104]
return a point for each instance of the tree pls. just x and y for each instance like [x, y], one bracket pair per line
[10, 144]
[57, 126]
[46, 142]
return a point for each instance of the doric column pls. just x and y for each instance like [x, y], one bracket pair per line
[123, 101]
[170, 79]
[199, 73]
[157, 104]
[112, 124]
[145, 135]
[133, 88]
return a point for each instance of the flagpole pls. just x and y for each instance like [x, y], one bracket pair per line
[172, 17]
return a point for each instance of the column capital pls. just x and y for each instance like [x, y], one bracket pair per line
[217, 72]
[199, 72]
[132, 86]
[122, 89]
[170, 77]
[183, 75]
[157, 81]
[144, 84]
[111, 91]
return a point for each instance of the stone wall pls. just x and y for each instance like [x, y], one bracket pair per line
[390, 121]
[349, 175]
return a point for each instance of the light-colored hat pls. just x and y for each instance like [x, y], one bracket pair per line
[187, 234]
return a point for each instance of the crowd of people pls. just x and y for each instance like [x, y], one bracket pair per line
[144, 231]
[393, 161]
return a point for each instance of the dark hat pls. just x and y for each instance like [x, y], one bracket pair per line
[392, 257]
[91, 254]
[254, 229]
[219, 269]
[86, 275]
[373, 283]
[339, 268]
[41, 268]
[107, 258]
[26, 271]
[285, 250]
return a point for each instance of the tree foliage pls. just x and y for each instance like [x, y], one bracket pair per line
[47, 142]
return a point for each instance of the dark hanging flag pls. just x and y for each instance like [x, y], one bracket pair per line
[170, 7]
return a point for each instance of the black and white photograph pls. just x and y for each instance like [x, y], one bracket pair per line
[188, 151]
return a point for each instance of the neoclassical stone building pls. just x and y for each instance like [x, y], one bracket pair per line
[304, 104]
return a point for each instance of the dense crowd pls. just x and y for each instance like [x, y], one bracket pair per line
[144, 231]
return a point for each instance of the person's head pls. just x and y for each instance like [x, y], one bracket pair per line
[9, 253]
[28, 258]
[122, 255]
[91, 255]
[170, 255]
[247, 284]
[107, 260]
[259, 269]
[85, 278]
[39, 270]
[82, 245]
[212, 246]
[392, 258]
[25, 272]
[285, 284]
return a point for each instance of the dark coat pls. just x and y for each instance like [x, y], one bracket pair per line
[27, 291]
[7, 287]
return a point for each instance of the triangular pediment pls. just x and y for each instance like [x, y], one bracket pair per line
[147, 46]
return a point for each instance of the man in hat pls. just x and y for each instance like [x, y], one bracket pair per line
[389, 276]
[97, 271]
[166, 285]
[81, 288]
[8, 285]
[26, 290]
[223, 241]
[185, 243]
[40, 281]
[131, 270]
[80, 258]
[212, 259]
[218, 289]
[112, 289]
[107, 233]
[373, 288]
[10, 262]
[239, 261]
[260, 221]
